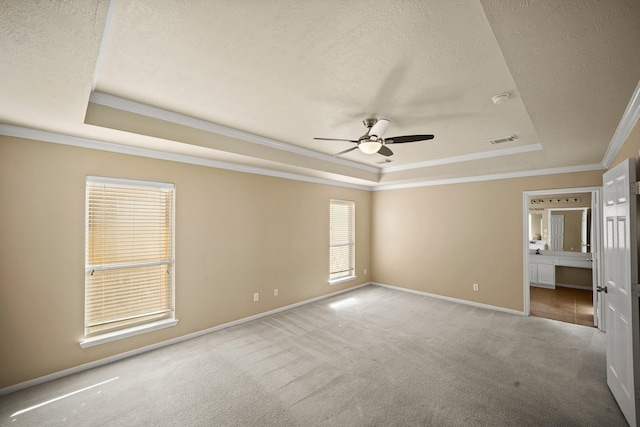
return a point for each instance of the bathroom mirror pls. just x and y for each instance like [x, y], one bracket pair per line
[560, 222]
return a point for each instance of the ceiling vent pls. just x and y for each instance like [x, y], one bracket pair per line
[502, 139]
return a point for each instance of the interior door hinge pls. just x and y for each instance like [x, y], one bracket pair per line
[635, 290]
[636, 187]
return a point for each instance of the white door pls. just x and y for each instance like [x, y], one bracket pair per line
[556, 234]
[621, 276]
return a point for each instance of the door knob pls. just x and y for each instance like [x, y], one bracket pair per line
[601, 289]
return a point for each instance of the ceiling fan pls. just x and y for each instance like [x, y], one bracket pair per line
[373, 141]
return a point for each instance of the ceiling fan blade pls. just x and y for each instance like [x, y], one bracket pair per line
[407, 138]
[345, 151]
[379, 128]
[385, 151]
[335, 139]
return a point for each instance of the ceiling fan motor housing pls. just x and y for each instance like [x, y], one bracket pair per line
[369, 122]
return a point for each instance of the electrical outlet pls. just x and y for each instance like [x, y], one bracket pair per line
[365, 271]
[475, 287]
[275, 292]
[256, 296]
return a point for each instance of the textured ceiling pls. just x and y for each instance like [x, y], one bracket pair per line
[271, 75]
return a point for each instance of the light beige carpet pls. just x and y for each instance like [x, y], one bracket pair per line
[371, 357]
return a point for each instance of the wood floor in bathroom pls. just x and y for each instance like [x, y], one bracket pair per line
[563, 304]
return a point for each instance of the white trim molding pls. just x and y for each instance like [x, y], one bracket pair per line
[123, 104]
[465, 158]
[58, 138]
[342, 280]
[628, 121]
[456, 300]
[126, 333]
[493, 177]
[75, 141]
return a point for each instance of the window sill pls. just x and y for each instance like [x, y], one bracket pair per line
[125, 333]
[342, 279]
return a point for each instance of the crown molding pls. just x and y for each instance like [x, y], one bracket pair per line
[57, 138]
[493, 177]
[628, 121]
[465, 158]
[28, 133]
[123, 104]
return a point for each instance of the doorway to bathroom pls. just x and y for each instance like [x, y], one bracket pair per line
[562, 248]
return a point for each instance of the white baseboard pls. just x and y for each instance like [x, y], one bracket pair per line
[114, 358]
[460, 301]
[567, 285]
[561, 285]
[542, 285]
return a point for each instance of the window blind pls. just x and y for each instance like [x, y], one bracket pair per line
[129, 253]
[341, 240]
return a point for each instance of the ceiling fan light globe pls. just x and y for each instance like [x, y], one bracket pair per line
[370, 147]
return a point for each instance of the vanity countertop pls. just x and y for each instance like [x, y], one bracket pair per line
[562, 259]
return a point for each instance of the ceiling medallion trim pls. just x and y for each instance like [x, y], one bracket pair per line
[123, 104]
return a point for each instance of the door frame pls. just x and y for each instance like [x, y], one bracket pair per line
[596, 217]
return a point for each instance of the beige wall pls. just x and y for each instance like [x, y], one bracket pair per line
[236, 234]
[442, 239]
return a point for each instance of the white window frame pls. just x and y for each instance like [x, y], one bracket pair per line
[348, 274]
[91, 339]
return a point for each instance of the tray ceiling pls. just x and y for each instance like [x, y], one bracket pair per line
[252, 82]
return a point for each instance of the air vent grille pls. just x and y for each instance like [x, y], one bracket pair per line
[502, 139]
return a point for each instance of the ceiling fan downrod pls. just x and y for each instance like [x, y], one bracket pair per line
[369, 122]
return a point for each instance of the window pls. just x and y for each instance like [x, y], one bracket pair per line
[129, 256]
[341, 240]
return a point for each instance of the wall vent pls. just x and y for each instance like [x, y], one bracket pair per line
[502, 139]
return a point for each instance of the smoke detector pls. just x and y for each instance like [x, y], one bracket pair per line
[502, 139]
[500, 98]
